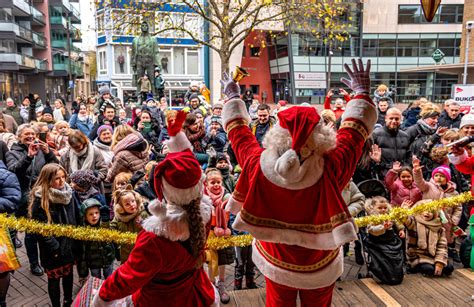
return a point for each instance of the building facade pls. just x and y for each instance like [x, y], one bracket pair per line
[181, 59]
[395, 36]
[37, 48]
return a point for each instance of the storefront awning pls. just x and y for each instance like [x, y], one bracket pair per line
[450, 69]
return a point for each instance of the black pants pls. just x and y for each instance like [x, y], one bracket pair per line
[245, 266]
[429, 269]
[4, 285]
[54, 290]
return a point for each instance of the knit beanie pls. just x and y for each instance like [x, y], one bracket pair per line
[443, 170]
[217, 119]
[467, 120]
[104, 127]
[84, 179]
[104, 90]
[48, 110]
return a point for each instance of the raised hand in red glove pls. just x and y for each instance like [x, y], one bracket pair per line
[175, 122]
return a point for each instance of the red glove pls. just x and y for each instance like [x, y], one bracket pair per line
[175, 122]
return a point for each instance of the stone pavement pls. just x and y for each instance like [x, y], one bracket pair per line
[29, 290]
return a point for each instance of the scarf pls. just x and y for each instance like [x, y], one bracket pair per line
[56, 196]
[102, 145]
[195, 139]
[87, 194]
[83, 118]
[88, 162]
[427, 232]
[219, 212]
[123, 216]
[427, 129]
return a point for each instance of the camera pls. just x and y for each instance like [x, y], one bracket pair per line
[335, 91]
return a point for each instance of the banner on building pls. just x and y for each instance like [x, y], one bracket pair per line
[464, 95]
[310, 80]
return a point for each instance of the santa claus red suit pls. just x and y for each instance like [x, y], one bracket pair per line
[165, 265]
[289, 193]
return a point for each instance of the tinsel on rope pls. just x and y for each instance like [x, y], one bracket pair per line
[213, 243]
[400, 214]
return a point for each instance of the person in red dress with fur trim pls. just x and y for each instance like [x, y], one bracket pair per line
[289, 193]
[165, 265]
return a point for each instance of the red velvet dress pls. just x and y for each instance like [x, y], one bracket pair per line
[159, 272]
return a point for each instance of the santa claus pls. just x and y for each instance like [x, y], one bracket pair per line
[289, 193]
[165, 265]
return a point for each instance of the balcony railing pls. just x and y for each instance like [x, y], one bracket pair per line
[60, 66]
[22, 5]
[20, 59]
[37, 15]
[39, 39]
[17, 29]
[58, 20]
[26, 33]
[41, 65]
[59, 43]
[75, 12]
[66, 4]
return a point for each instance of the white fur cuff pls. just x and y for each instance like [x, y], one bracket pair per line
[234, 109]
[234, 206]
[178, 143]
[363, 111]
[458, 159]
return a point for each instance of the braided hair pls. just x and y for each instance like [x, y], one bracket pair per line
[197, 233]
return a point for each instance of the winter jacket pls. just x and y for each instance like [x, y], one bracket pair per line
[100, 104]
[8, 138]
[10, 192]
[410, 117]
[381, 117]
[159, 82]
[146, 190]
[85, 126]
[27, 169]
[398, 192]
[102, 121]
[130, 155]
[436, 247]
[56, 252]
[418, 137]
[10, 123]
[449, 122]
[98, 165]
[395, 147]
[353, 198]
[3, 151]
[104, 149]
[431, 190]
[134, 225]
[260, 130]
[15, 113]
[94, 255]
[217, 141]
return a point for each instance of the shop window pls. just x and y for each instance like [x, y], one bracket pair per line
[192, 62]
[254, 51]
[121, 60]
[178, 61]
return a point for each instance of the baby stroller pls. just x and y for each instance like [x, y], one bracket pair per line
[383, 255]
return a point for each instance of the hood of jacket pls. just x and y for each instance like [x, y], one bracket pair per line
[132, 142]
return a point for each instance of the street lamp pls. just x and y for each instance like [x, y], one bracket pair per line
[469, 27]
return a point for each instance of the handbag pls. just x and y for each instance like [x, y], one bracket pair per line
[8, 259]
[91, 287]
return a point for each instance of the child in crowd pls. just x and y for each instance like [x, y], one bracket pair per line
[441, 186]
[384, 247]
[52, 203]
[85, 186]
[427, 245]
[354, 200]
[221, 162]
[59, 112]
[60, 138]
[98, 257]
[129, 215]
[399, 181]
[120, 183]
[144, 188]
[383, 91]
[220, 226]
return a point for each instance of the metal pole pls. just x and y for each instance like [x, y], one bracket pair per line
[69, 53]
[292, 89]
[328, 81]
[466, 55]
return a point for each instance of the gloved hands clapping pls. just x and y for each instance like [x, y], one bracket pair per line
[359, 77]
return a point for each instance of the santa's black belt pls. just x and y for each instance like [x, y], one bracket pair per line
[175, 280]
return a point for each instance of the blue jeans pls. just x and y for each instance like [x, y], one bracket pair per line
[105, 272]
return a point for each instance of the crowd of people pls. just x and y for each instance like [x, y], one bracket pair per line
[92, 164]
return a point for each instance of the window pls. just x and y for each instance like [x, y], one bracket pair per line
[387, 47]
[164, 61]
[6, 14]
[254, 51]
[407, 48]
[100, 24]
[7, 46]
[427, 47]
[192, 62]
[447, 45]
[121, 60]
[370, 47]
[243, 51]
[102, 63]
[255, 89]
[178, 61]
[447, 13]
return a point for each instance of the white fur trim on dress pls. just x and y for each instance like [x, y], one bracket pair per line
[340, 235]
[181, 196]
[362, 110]
[235, 109]
[97, 301]
[319, 279]
[458, 159]
[178, 143]
[234, 206]
[170, 221]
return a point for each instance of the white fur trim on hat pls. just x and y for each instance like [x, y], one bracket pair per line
[319, 279]
[467, 120]
[178, 196]
[178, 143]
[170, 221]
[288, 166]
[344, 233]
[458, 159]
[234, 109]
[361, 110]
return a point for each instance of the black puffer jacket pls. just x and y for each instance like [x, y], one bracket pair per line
[56, 252]
[26, 169]
[418, 136]
[395, 146]
[449, 122]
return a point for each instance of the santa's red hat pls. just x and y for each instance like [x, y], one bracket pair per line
[300, 122]
[178, 176]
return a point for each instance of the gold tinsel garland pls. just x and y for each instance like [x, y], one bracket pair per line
[400, 214]
[215, 243]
